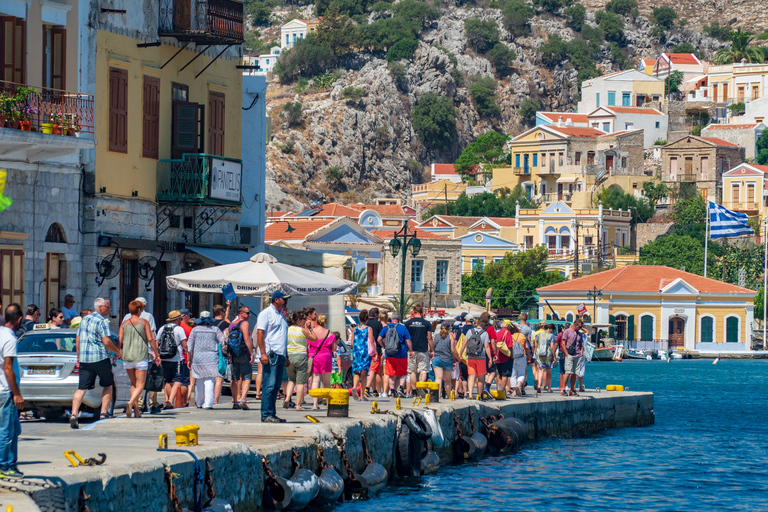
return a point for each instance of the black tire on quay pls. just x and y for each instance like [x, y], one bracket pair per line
[408, 455]
[418, 426]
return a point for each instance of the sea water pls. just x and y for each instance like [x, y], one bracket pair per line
[706, 451]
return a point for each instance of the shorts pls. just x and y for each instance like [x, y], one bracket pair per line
[439, 363]
[519, 371]
[477, 367]
[297, 371]
[396, 367]
[89, 371]
[464, 371]
[505, 368]
[562, 364]
[241, 368]
[492, 369]
[375, 364]
[571, 364]
[418, 362]
[182, 376]
[141, 365]
[170, 370]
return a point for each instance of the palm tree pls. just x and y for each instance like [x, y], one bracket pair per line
[408, 303]
[739, 49]
[360, 276]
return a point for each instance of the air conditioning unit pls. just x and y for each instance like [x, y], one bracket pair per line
[249, 235]
[586, 268]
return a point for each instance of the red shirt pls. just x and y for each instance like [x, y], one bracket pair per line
[506, 337]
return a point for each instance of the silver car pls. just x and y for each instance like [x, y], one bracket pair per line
[49, 374]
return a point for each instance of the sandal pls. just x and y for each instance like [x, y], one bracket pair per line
[573, 393]
[104, 416]
[128, 411]
[563, 393]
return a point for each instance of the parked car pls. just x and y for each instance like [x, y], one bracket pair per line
[50, 374]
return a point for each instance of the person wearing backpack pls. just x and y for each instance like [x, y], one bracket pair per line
[479, 358]
[545, 356]
[572, 342]
[240, 350]
[171, 340]
[538, 344]
[396, 341]
[519, 362]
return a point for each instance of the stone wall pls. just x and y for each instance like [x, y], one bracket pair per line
[743, 137]
[650, 231]
[676, 112]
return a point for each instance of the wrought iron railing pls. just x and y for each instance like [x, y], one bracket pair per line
[186, 180]
[41, 108]
[200, 19]
[686, 178]
[521, 171]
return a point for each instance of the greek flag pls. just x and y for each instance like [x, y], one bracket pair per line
[725, 223]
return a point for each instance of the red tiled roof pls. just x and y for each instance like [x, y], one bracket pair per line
[731, 126]
[682, 58]
[386, 234]
[763, 168]
[642, 278]
[301, 228]
[555, 116]
[277, 214]
[634, 110]
[336, 210]
[503, 221]
[574, 131]
[720, 142]
[459, 221]
[445, 169]
[382, 209]
[649, 62]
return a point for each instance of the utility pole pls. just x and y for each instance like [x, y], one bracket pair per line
[576, 274]
[445, 188]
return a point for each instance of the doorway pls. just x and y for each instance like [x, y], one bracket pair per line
[129, 284]
[53, 264]
[676, 332]
[160, 297]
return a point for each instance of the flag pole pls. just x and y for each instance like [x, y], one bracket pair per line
[706, 240]
[765, 276]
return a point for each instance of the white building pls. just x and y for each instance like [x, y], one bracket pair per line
[566, 118]
[687, 63]
[615, 119]
[295, 30]
[266, 62]
[630, 88]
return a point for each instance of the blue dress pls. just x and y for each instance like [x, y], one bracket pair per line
[361, 361]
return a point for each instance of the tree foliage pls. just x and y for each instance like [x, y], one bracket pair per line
[673, 82]
[664, 16]
[513, 279]
[259, 12]
[611, 24]
[622, 7]
[487, 149]
[293, 112]
[641, 208]
[502, 58]
[761, 148]
[575, 14]
[740, 49]
[337, 32]
[434, 120]
[528, 109]
[676, 251]
[482, 35]
[487, 204]
[516, 16]
[307, 58]
[718, 31]
[655, 192]
[552, 6]
[484, 93]
[402, 49]
[409, 19]
[554, 51]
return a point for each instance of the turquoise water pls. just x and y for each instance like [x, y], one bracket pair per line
[706, 451]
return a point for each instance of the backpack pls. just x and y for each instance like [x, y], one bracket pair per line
[475, 343]
[517, 350]
[542, 348]
[571, 348]
[392, 341]
[236, 343]
[166, 345]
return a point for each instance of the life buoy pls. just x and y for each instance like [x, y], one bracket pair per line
[418, 426]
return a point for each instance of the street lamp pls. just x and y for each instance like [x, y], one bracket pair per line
[289, 229]
[408, 240]
[429, 289]
[594, 294]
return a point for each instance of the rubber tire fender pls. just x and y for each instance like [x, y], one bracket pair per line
[418, 426]
[408, 454]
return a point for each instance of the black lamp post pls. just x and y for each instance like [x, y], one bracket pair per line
[594, 294]
[408, 240]
[429, 289]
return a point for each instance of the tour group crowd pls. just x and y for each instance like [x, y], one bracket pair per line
[292, 352]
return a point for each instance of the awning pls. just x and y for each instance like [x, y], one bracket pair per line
[567, 179]
[222, 256]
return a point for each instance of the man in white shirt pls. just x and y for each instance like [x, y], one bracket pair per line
[272, 336]
[175, 372]
[11, 401]
[146, 315]
[69, 309]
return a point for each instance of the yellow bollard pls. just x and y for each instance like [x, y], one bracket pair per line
[186, 435]
[614, 387]
[9, 508]
[162, 442]
[499, 394]
[453, 395]
[374, 407]
[74, 458]
[427, 398]
[397, 403]
[312, 419]
[430, 388]
[338, 400]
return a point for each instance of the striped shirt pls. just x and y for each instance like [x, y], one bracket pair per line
[297, 343]
[91, 331]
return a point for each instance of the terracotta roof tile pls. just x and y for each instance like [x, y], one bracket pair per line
[277, 214]
[445, 169]
[576, 131]
[643, 278]
[731, 126]
[460, 221]
[634, 110]
[382, 209]
[720, 142]
[301, 229]
[576, 118]
[387, 234]
[683, 58]
[503, 221]
[763, 168]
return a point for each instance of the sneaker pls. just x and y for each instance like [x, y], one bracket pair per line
[401, 394]
[235, 405]
[279, 420]
[375, 393]
[11, 473]
[155, 410]
[270, 419]
[487, 395]
[285, 405]
[355, 393]
[367, 393]
[73, 422]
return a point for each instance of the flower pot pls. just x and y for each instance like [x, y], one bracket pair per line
[13, 124]
[2, 120]
[46, 128]
[70, 132]
[55, 129]
[26, 125]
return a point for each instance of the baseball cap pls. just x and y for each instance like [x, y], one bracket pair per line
[185, 311]
[463, 315]
[277, 294]
[469, 317]
[142, 300]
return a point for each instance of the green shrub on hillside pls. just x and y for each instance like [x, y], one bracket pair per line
[502, 58]
[611, 24]
[402, 49]
[307, 58]
[554, 51]
[527, 110]
[434, 121]
[293, 112]
[575, 14]
[484, 93]
[482, 35]
[552, 6]
[398, 74]
[516, 15]
[664, 16]
[622, 7]
[718, 31]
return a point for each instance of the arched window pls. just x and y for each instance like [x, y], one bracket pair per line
[569, 317]
[621, 327]
[55, 234]
[707, 329]
[732, 329]
[646, 328]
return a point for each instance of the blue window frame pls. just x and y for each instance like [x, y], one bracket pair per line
[478, 264]
[442, 276]
[597, 99]
[417, 267]
[611, 98]
[287, 39]
[535, 159]
[517, 160]
[626, 99]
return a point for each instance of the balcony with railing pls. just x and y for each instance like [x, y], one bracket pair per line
[522, 171]
[202, 21]
[743, 206]
[41, 123]
[199, 179]
[686, 178]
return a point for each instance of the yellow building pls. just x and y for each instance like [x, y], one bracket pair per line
[745, 190]
[436, 192]
[489, 239]
[657, 307]
[735, 83]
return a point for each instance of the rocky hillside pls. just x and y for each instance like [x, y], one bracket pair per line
[354, 147]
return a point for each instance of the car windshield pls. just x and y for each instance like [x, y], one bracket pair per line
[47, 343]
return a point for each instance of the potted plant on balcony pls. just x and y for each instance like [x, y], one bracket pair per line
[56, 123]
[6, 101]
[25, 108]
[71, 124]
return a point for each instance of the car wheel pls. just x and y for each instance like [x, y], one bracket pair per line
[349, 379]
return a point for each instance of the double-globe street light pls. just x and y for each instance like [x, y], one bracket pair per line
[594, 294]
[408, 240]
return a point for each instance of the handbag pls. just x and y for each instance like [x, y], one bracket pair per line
[371, 345]
[222, 361]
[154, 380]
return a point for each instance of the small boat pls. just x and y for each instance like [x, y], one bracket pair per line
[604, 354]
[633, 353]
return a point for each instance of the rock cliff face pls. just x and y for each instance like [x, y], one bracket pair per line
[371, 140]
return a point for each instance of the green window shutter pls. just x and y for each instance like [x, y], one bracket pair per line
[549, 317]
[706, 330]
[612, 329]
[631, 328]
[732, 330]
[646, 328]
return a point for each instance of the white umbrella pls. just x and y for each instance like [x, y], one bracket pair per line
[263, 274]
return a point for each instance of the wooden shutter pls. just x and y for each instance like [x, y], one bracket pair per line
[216, 123]
[52, 281]
[612, 328]
[12, 276]
[187, 132]
[118, 110]
[631, 327]
[13, 49]
[59, 58]
[150, 146]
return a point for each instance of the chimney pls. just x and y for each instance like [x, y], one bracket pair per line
[568, 122]
[560, 121]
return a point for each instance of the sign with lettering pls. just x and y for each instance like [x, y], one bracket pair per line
[225, 179]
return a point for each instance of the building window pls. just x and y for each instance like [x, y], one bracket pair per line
[55, 234]
[656, 97]
[735, 193]
[577, 158]
[658, 125]
[590, 158]
[150, 144]
[560, 159]
[517, 159]
[216, 123]
[535, 159]
[597, 99]
[626, 99]
[543, 160]
[646, 328]
[588, 241]
[611, 98]
[12, 276]
[417, 267]
[478, 263]
[623, 162]
[629, 126]
[287, 39]
[732, 329]
[13, 51]
[442, 276]
[372, 272]
[621, 327]
[569, 317]
[118, 110]
[528, 242]
[607, 127]
[54, 57]
[707, 329]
